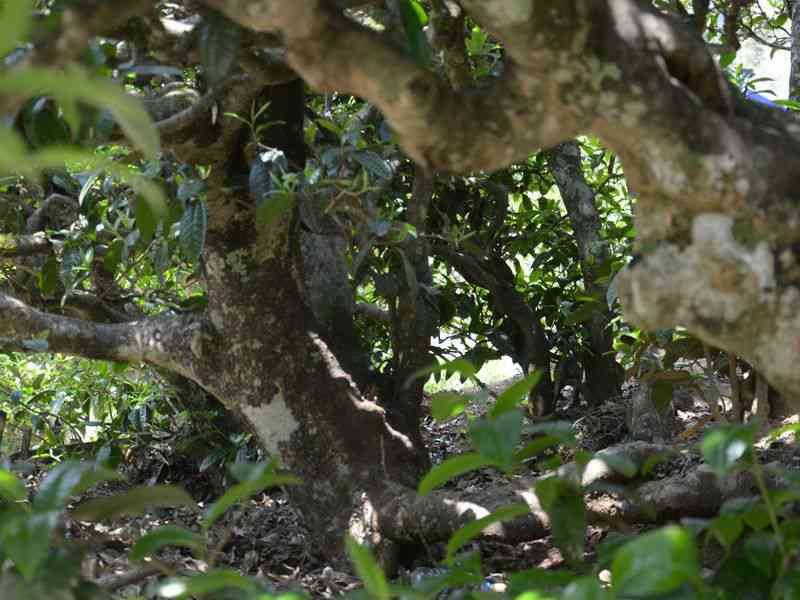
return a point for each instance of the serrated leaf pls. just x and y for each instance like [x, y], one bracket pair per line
[220, 39]
[146, 220]
[266, 167]
[515, 394]
[15, 23]
[12, 150]
[26, 539]
[726, 529]
[169, 535]
[48, 276]
[374, 164]
[133, 502]
[563, 502]
[368, 570]
[725, 445]
[207, 583]
[726, 59]
[191, 188]
[276, 205]
[473, 529]
[584, 312]
[11, 488]
[193, 227]
[655, 563]
[258, 477]
[42, 124]
[114, 255]
[495, 438]
[69, 479]
[450, 469]
[447, 405]
[462, 366]
[414, 18]
[586, 588]
[74, 85]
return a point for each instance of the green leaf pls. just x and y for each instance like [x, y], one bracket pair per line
[726, 529]
[15, 24]
[11, 488]
[563, 502]
[495, 438]
[464, 368]
[739, 580]
[619, 463]
[69, 479]
[26, 539]
[268, 166]
[12, 151]
[169, 535]
[473, 529]
[515, 394]
[537, 446]
[207, 583]
[259, 478]
[447, 405]
[584, 312]
[114, 256]
[74, 85]
[450, 469]
[538, 579]
[662, 393]
[762, 550]
[368, 570]
[726, 59]
[374, 164]
[278, 204]
[724, 446]
[414, 18]
[193, 229]
[133, 502]
[43, 125]
[146, 220]
[586, 588]
[655, 563]
[220, 39]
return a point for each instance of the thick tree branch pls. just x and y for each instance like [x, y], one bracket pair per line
[173, 342]
[438, 128]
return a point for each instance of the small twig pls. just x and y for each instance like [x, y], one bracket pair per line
[115, 582]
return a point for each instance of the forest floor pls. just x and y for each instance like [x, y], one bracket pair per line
[266, 538]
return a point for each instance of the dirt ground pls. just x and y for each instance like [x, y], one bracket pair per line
[266, 538]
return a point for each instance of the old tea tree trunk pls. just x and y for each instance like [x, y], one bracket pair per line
[259, 347]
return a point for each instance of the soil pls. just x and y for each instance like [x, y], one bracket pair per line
[266, 538]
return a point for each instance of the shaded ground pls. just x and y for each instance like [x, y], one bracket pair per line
[266, 538]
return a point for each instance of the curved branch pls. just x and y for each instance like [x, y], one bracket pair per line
[438, 128]
[172, 342]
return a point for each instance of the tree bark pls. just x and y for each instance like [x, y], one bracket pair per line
[603, 373]
[714, 172]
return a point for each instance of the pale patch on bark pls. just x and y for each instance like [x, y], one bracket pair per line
[273, 422]
[715, 278]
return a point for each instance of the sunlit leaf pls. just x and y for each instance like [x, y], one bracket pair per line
[473, 529]
[15, 23]
[655, 563]
[75, 85]
[133, 502]
[169, 535]
[368, 570]
[450, 469]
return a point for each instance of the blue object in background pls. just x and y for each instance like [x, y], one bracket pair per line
[762, 100]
